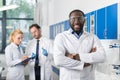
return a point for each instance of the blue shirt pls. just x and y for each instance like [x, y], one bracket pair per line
[76, 35]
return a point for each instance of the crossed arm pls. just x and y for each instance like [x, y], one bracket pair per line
[77, 56]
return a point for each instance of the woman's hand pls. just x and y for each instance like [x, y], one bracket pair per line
[23, 59]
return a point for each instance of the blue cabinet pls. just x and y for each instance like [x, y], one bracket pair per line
[90, 22]
[58, 28]
[107, 22]
[100, 23]
[111, 23]
[87, 22]
[103, 22]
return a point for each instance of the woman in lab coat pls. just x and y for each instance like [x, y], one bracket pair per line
[45, 54]
[76, 51]
[14, 56]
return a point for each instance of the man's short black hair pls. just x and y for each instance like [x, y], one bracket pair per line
[76, 10]
[34, 25]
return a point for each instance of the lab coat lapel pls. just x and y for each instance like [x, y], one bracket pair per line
[71, 41]
[83, 42]
[76, 43]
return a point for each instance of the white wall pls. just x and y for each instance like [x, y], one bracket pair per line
[44, 15]
[62, 8]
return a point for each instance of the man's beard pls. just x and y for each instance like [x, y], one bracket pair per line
[78, 31]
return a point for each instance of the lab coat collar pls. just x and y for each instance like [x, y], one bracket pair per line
[71, 31]
[38, 39]
[15, 45]
[74, 33]
[84, 34]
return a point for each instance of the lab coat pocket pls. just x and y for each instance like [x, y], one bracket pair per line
[65, 74]
[13, 71]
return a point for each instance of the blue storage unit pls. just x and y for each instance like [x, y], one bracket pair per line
[105, 22]
[87, 22]
[112, 23]
[93, 22]
[58, 28]
[100, 23]
[66, 24]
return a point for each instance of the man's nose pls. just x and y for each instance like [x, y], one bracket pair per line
[76, 20]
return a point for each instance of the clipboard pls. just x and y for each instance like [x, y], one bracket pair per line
[27, 60]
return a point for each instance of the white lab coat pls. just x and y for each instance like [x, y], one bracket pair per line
[13, 57]
[45, 61]
[72, 69]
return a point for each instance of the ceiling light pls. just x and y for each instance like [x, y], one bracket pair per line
[7, 7]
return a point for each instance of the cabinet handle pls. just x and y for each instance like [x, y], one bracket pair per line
[105, 33]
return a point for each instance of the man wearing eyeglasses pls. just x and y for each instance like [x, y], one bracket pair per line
[77, 51]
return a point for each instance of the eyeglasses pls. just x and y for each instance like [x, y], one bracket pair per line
[81, 19]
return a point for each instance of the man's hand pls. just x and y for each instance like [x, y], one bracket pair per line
[86, 64]
[76, 57]
[93, 50]
[69, 55]
[73, 56]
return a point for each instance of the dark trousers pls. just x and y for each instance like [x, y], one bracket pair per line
[37, 73]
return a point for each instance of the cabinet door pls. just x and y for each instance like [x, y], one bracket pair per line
[51, 32]
[87, 22]
[93, 22]
[100, 23]
[67, 25]
[112, 22]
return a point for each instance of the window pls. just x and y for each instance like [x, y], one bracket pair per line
[25, 9]
[0, 6]
[0, 36]
[18, 24]
[19, 18]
